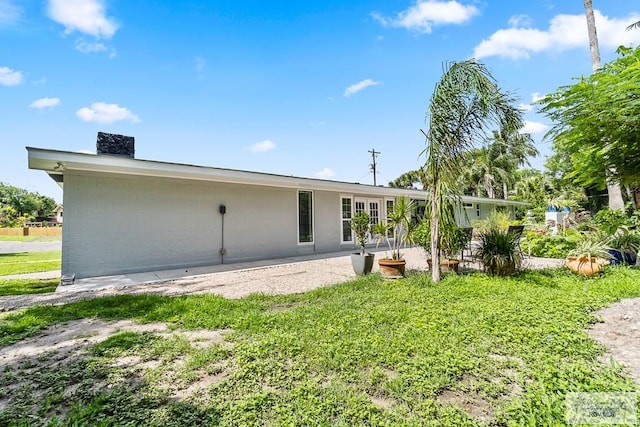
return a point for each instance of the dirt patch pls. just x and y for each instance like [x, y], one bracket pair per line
[619, 332]
[471, 402]
[55, 363]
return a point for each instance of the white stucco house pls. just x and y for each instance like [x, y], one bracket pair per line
[124, 215]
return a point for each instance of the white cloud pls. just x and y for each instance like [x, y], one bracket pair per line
[525, 107]
[261, 147]
[533, 127]
[359, 86]
[536, 96]
[565, 32]
[100, 112]
[9, 77]
[85, 16]
[45, 103]
[520, 21]
[92, 47]
[425, 14]
[9, 13]
[325, 173]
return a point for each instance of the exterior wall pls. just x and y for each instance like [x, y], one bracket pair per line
[116, 224]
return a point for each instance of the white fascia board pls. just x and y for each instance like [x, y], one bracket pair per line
[55, 163]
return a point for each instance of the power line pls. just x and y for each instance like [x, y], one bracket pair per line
[374, 153]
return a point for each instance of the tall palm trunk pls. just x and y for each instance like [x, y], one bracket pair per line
[613, 188]
[435, 231]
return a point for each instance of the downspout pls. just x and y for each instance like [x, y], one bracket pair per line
[223, 210]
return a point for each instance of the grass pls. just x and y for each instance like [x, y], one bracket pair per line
[29, 262]
[29, 238]
[471, 350]
[27, 286]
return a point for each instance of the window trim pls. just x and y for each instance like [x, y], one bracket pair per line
[342, 220]
[313, 217]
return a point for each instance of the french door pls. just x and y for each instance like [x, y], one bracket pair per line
[372, 207]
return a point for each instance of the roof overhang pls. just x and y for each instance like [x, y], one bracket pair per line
[56, 163]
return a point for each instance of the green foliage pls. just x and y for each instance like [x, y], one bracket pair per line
[29, 262]
[367, 352]
[465, 102]
[625, 240]
[360, 224]
[610, 220]
[27, 286]
[591, 247]
[496, 220]
[500, 251]
[550, 246]
[397, 230]
[18, 205]
[596, 132]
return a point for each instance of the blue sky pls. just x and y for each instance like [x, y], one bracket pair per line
[295, 88]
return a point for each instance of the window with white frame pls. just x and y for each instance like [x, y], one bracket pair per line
[346, 207]
[305, 216]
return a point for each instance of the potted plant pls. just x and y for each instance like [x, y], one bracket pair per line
[500, 251]
[452, 242]
[397, 232]
[362, 261]
[589, 257]
[624, 246]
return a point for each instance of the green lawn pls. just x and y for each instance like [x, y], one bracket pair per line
[29, 238]
[29, 262]
[471, 350]
[27, 286]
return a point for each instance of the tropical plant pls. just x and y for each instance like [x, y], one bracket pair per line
[452, 242]
[464, 103]
[360, 224]
[595, 130]
[591, 247]
[397, 230]
[500, 251]
[625, 240]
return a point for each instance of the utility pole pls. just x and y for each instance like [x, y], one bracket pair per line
[374, 153]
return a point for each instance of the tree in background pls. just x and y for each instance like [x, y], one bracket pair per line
[596, 131]
[613, 188]
[464, 102]
[18, 205]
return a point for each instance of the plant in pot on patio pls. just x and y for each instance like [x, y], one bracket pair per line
[452, 241]
[589, 256]
[362, 261]
[397, 232]
[500, 251]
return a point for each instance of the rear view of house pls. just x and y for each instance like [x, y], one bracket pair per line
[124, 215]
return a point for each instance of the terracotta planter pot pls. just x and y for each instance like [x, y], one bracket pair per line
[392, 268]
[446, 265]
[584, 266]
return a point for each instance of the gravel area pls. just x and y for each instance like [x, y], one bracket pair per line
[293, 277]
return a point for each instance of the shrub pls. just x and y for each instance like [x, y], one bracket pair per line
[550, 246]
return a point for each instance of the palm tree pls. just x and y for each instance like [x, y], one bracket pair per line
[463, 103]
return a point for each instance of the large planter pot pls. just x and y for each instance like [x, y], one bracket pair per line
[616, 256]
[446, 265]
[362, 264]
[584, 266]
[392, 268]
[503, 270]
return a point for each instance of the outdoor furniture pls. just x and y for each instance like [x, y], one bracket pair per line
[517, 231]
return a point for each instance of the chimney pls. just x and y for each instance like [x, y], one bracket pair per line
[115, 145]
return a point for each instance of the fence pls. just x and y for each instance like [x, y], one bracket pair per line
[32, 231]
